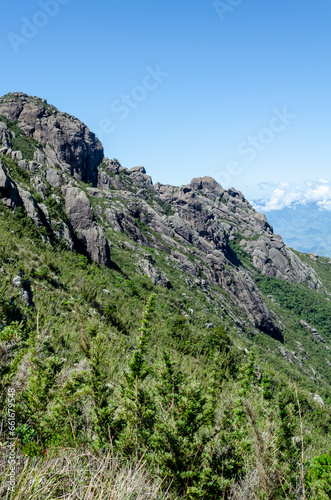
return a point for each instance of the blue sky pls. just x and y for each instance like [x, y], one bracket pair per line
[224, 75]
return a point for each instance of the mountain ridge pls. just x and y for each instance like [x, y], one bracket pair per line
[204, 216]
[155, 323]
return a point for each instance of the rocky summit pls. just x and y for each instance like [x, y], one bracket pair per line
[202, 386]
[201, 229]
[198, 227]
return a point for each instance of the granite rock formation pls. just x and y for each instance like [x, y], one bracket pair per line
[200, 229]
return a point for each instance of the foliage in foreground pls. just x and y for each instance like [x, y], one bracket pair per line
[196, 442]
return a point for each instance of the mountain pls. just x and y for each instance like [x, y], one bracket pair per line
[200, 220]
[304, 227]
[85, 243]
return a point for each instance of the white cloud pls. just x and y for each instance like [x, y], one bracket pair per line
[289, 195]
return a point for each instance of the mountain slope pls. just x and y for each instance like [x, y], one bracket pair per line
[84, 244]
[217, 243]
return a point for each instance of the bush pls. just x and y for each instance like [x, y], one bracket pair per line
[318, 477]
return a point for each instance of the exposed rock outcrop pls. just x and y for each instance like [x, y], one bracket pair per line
[220, 216]
[153, 272]
[315, 333]
[8, 189]
[89, 236]
[4, 136]
[65, 140]
[211, 236]
[25, 288]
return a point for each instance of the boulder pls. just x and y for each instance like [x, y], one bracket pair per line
[153, 272]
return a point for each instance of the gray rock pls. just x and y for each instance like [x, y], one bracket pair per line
[140, 178]
[8, 189]
[17, 280]
[31, 206]
[289, 355]
[4, 136]
[39, 157]
[315, 333]
[140, 170]
[317, 398]
[262, 221]
[89, 238]
[26, 291]
[53, 177]
[17, 155]
[39, 185]
[154, 273]
[75, 147]
[279, 261]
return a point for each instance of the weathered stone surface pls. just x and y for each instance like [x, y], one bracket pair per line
[140, 178]
[4, 136]
[152, 270]
[8, 189]
[317, 398]
[4, 179]
[140, 170]
[31, 206]
[89, 238]
[262, 221]
[75, 147]
[25, 287]
[290, 356]
[220, 216]
[54, 177]
[39, 185]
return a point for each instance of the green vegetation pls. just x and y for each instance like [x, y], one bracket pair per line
[15, 171]
[111, 369]
[303, 303]
[125, 389]
[318, 477]
[20, 142]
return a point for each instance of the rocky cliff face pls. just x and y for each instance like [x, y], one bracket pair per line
[221, 216]
[53, 166]
[64, 140]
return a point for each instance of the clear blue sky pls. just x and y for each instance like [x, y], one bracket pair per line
[225, 79]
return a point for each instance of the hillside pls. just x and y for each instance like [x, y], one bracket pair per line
[169, 324]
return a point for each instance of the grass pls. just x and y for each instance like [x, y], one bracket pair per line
[67, 358]
[79, 475]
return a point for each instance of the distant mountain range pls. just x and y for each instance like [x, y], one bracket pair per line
[304, 227]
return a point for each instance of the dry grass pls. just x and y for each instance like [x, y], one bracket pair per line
[245, 489]
[69, 475]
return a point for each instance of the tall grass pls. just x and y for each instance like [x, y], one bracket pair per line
[67, 474]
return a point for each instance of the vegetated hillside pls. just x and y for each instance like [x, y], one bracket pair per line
[168, 324]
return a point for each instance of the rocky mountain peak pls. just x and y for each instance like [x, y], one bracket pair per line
[212, 236]
[64, 140]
